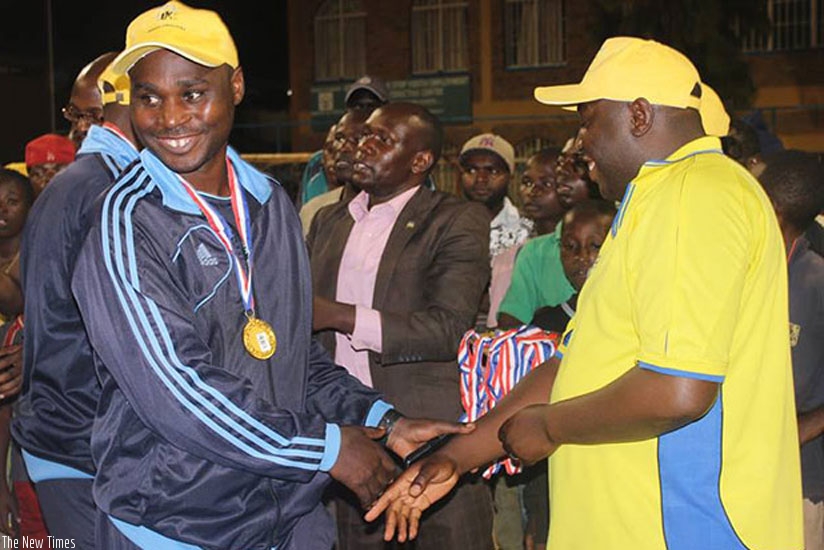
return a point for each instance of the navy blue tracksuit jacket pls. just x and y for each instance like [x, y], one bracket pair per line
[194, 439]
[54, 414]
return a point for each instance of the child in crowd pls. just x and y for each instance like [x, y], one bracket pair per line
[538, 279]
[541, 203]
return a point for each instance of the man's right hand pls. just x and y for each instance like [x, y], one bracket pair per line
[363, 465]
[419, 487]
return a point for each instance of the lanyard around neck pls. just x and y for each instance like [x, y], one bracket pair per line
[224, 233]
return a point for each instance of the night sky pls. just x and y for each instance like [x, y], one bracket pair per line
[84, 29]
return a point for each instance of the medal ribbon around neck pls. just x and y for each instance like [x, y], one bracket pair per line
[224, 233]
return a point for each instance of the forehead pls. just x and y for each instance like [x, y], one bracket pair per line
[85, 95]
[10, 185]
[577, 221]
[350, 124]
[542, 165]
[483, 158]
[166, 67]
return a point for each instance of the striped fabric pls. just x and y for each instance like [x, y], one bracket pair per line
[492, 364]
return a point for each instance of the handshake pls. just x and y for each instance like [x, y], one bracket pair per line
[366, 469]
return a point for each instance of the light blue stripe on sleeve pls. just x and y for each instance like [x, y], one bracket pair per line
[682, 373]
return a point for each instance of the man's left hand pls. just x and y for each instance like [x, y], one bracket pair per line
[410, 433]
[525, 435]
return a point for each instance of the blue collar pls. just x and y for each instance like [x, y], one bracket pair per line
[175, 196]
[103, 141]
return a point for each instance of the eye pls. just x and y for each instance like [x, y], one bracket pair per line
[193, 95]
[149, 100]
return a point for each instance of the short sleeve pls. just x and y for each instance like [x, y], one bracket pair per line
[687, 266]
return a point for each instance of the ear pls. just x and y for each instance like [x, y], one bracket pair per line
[422, 161]
[238, 86]
[642, 116]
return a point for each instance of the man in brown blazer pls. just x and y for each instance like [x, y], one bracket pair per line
[398, 272]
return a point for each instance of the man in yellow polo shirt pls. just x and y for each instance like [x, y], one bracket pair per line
[671, 421]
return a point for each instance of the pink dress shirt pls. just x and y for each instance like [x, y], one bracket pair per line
[356, 279]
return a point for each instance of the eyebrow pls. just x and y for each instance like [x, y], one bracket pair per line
[181, 83]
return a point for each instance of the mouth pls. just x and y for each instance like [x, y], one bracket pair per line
[177, 145]
[359, 166]
[3, 223]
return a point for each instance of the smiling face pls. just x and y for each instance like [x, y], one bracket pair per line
[606, 141]
[183, 112]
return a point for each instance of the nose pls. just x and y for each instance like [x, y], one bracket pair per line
[174, 113]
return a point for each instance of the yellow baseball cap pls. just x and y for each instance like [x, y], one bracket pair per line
[198, 35]
[119, 83]
[626, 68]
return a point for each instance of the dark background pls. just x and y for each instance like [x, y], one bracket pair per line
[84, 29]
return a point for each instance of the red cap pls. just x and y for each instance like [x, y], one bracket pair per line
[49, 148]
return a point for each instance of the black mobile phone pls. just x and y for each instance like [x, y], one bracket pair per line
[426, 449]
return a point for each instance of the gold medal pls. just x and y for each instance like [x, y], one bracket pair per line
[259, 338]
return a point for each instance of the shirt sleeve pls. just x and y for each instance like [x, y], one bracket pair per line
[687, 264]
[141, 326]
[368, 333]
[521, 294]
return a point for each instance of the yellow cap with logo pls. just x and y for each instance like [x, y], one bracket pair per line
[198, 35]
[626, 68]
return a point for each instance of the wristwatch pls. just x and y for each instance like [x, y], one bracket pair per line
[387, 422]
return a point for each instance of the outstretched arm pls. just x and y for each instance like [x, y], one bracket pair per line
[639, 405]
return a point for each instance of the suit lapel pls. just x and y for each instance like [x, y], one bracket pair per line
[410, 221]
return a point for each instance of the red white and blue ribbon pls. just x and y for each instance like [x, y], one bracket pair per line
[224, 233]
[492, 364]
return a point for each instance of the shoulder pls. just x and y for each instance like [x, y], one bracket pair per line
[448, 206]
[539, 246]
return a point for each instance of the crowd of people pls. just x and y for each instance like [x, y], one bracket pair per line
[191, 360]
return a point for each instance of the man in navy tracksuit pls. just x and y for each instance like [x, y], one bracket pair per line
[53, 418]
[220, 420]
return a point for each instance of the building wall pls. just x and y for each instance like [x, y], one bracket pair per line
[790, 85]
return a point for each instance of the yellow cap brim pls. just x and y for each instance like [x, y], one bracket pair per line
[569, 95]
[126, 60]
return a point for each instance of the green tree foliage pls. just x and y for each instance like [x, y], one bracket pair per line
[707, 31]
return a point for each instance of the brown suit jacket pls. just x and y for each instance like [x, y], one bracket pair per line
[431, 276]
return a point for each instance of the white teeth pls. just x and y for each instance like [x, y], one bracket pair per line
[591, 165]
[178, 143]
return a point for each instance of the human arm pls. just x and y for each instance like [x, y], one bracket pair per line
[507, 321]
[141, 323]
[810, 425]
[430, 479]
[641, 404]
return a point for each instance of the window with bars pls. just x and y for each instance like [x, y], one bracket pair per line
[794, 25]
[439, 41]
[340, 40]
[534, 33]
